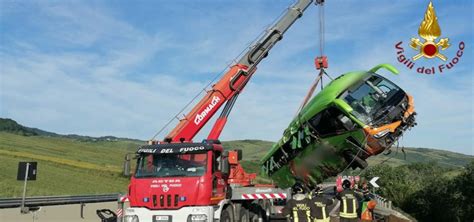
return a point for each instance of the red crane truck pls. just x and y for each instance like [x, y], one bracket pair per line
[180, 180]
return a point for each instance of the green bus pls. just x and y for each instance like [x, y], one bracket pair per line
[355, 116]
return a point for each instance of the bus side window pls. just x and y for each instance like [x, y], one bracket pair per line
[328, 122]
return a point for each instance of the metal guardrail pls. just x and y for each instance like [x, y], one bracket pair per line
[57, 200]
[384, 210]
[382, 201]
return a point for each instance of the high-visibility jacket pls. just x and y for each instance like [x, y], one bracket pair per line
[298, 209]
[367, 208]
[349, 205]
[321, 211]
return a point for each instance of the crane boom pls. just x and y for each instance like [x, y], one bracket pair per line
[226, 90]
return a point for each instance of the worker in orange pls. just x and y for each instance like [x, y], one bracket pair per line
[349, 203]
[367, 214]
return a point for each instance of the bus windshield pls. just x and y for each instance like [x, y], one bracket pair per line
[372, 97]
[171, 165]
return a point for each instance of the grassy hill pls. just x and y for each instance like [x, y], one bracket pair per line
[11, 126]
[65, 166]
[87, 165]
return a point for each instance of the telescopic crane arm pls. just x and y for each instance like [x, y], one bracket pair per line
[227, 89]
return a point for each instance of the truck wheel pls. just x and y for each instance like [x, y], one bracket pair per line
[256, 213]
[267, 210]
[255, 217]
[227, 215]
[244, 215]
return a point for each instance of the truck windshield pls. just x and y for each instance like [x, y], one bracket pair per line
[370, 99]
[171, 165]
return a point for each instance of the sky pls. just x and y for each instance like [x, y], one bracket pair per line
[126, 68]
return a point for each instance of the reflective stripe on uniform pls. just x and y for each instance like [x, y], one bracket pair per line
[324, 213]
[295, 215]
[348, 215]
[322, 220]
[344, 205]
[344, 212]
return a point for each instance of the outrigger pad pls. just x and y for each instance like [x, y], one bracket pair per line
[106, 215]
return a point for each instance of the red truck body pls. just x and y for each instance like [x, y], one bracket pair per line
[179, 180]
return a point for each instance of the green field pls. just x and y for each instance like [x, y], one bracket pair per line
[71, 164]
[65, 166]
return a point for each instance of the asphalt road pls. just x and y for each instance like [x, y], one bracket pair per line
[69, 213]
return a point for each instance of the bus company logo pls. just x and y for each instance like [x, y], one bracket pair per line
[429, 47]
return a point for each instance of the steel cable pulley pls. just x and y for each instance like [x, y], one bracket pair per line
[321, 61]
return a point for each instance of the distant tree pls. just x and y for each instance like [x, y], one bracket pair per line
[399, 183]
[464, 196]
[423, 190]
[434, 202]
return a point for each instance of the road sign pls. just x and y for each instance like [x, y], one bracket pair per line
[26, 171]
[23, 167]
[372, 182]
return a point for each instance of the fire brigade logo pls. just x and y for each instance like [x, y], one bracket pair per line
[429, 47]
[429, 30]
[165, 188]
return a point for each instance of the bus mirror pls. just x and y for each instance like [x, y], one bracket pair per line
[225, 166]
[386, 66]
[347, 122]
[126, 165]
[342, 105]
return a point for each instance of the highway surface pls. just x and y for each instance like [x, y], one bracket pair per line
[72, 212]
[63, 213]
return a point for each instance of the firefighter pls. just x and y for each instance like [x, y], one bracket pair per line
[321, 204]
[299, 208]
[349, 203]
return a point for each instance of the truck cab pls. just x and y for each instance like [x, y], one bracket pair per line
[176, 182]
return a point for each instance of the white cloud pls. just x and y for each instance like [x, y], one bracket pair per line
[91, 71]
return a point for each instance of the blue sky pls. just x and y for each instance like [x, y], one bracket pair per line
[121, 68]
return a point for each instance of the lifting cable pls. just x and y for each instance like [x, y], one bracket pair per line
[321, 61]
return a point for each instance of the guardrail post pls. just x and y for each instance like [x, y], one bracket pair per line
[82, 210]
[389, 204]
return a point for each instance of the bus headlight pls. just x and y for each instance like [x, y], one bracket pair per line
[131, 218]
[381, 133]
[197, 218]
